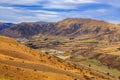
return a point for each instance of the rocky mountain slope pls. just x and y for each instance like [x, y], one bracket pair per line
[26, 30]
[71, 27]
[22, 63]
[5, 25]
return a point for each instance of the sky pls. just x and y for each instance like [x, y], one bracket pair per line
[17, 11]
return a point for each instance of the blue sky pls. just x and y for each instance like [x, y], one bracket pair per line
[17, 11]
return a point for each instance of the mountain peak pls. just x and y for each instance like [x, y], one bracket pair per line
[82, 20]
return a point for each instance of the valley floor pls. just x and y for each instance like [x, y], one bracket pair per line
[81, 52]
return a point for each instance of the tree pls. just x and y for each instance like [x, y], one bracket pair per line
[108, 73]
[89, 65]
[119, 77]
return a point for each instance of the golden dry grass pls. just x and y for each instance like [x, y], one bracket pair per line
[18, 62]
[110, 49]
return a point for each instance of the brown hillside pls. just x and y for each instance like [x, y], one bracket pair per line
[22, 63]
[87, 29]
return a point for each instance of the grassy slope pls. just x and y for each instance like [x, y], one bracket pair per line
[22, 63]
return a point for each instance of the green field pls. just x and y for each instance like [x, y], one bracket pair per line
[97, 66]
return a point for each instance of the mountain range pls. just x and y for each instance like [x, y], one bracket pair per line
[80, 28]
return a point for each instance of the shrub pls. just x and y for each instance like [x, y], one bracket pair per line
[11, 59]
[118, 48]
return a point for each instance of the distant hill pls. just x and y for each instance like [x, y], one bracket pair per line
[5, 25]
[40, 22]
[27, 29]
[80, 28]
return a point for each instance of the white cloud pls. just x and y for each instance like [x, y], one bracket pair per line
[44, 11]
[102, 10]
[65, 4]
[56, 4]
[98, 14]
[50, 1]
[22, 2]
[79, 1]
[115, 3]
[51, 6]
[11, 14]
[62, 4]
